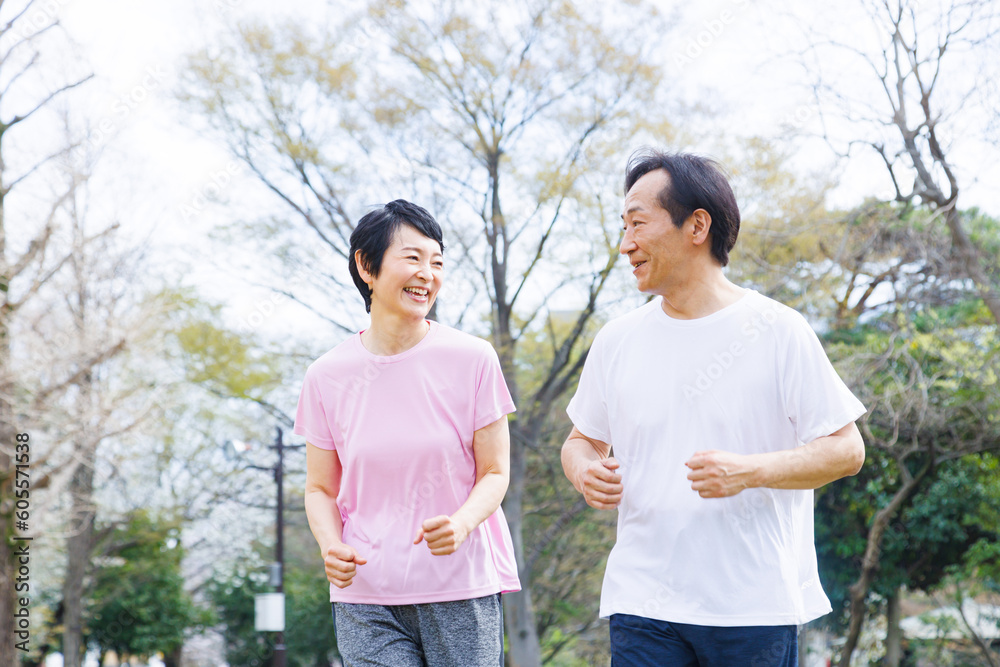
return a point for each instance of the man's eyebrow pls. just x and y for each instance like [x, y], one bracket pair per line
[632, 210]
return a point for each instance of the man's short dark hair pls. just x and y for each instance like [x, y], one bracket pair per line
[694, 182]
[374, 234]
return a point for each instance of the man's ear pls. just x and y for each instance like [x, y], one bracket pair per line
[701, 225]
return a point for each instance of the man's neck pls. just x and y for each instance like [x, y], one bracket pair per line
[700, 296]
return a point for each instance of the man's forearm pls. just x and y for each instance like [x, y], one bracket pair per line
[718, 474]
[577, 453]
[815, 464]
[576, 456]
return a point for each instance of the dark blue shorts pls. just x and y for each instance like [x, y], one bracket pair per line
[644, 642]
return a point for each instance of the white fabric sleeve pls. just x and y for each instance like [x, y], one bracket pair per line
[817, 401]
[588, 409]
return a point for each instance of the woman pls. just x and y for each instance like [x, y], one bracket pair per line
[407, 463]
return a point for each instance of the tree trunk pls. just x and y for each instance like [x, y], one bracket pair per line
[7, 565]
[859, 589]
[79, 546]
[893, 632]
[7, 433]
[173, 659]
[971, 261]
[519, 613]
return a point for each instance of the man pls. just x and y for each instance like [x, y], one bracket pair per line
[724, 414]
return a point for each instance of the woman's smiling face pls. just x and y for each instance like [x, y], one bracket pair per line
[411, 275]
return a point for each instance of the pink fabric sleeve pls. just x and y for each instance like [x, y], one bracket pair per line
[310, 418]
[492, 396]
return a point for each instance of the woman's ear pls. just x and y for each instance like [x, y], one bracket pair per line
[359, 259]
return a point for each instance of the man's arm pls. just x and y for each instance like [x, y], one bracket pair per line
[491, 448]
[587, 465]
[717, 474]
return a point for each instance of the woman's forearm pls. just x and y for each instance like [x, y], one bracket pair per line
[483, 500]
[324, 519]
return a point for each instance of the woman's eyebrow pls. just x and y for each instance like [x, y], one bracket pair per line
[419, 250]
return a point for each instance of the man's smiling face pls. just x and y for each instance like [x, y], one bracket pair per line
[654, 245]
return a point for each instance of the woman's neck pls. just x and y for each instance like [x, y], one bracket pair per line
[388, 336]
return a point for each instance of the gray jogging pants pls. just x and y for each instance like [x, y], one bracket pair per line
[463, 633]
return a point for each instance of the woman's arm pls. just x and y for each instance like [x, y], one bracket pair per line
[491, 447]
[323, 472]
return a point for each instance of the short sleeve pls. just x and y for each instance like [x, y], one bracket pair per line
[816, 399]
[493, 399]
[310, 417]
[588, 409]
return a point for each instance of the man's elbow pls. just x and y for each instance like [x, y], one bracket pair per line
[855, 455]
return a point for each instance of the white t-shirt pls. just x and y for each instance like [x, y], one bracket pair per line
[749, 378]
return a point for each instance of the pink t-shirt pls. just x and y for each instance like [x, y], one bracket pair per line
[402, 427]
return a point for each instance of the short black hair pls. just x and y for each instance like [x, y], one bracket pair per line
[694, 182]
[374, 234]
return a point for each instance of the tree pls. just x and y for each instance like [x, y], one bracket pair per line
[882, 280]
[930, 394]
[308, 621]
[934, 535]
[568, 542]
[506, 122]
[918, 94]
[137, 602]
[88, 325]
[911, 101]
[24, 28]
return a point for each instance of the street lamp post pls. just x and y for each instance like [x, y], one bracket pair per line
[278, 470]
[279, 646]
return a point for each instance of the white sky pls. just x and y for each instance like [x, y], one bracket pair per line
[135, 48]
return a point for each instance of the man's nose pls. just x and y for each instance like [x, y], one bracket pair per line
[627, 245]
